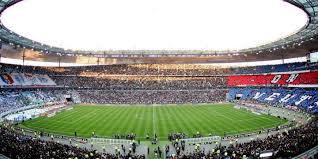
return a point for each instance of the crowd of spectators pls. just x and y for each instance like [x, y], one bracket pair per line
[18, 146]
[141, 83]
[276, 68]
[284, 145]
[134, 69]
[148, 76]
[158, 69]
[144, 84]
[15, 99]
[152, 97]
[176, 136]
[10, 100]
[305, 99]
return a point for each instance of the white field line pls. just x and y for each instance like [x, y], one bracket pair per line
[153, 120]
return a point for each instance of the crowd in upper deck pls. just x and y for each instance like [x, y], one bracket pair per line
[158, 69]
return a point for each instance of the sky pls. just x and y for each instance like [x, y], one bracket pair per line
[154, 24]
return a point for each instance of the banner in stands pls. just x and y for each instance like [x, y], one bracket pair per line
[291, 98]
[20, 79]
[307, 78]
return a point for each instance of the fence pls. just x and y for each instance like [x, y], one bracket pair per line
[202, 140]
[3, 157]
[103, 141]
[310, 153]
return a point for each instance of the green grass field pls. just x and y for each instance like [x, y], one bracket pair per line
[108, 120]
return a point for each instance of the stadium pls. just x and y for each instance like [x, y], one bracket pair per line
[137, 79]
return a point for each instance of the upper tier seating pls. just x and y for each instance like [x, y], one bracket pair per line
[157, 69]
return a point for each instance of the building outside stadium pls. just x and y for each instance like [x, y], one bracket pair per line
[163, 97]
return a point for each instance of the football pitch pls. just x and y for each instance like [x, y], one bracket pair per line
[106, 121]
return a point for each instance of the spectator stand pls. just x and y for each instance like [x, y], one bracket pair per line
[312, 153]
[12, 111]
[238, 138]
[279, 141]
[45, 135]
[102, 145]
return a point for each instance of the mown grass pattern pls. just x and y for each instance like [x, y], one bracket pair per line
[190, 119]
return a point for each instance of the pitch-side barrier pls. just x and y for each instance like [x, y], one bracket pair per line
[202, 140]
[104, 141]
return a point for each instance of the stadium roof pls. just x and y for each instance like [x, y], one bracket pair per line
[307, 33]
